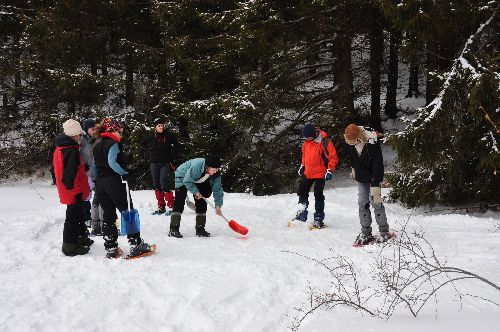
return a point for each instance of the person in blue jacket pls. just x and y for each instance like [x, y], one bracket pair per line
[201, 177]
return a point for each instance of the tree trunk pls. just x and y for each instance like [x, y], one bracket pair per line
[413, 81]
[376, 56]
[343, 100]
[432, 83]
[391, 108]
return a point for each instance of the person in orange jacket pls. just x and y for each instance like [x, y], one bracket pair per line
[319, 159]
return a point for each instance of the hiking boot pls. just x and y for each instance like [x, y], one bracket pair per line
[85, 241]
[114, 252]
[319, 216]
[383, 237]
[174, 232]
[363, 238]
[139, 248]
[88, 223]
[168, 212]
[74, 249]
[301, 213]
[201, 232]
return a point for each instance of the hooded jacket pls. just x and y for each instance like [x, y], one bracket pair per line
[69, 170]
[312, 160]
[369, 163]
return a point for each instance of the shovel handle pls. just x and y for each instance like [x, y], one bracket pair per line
[213, 206]
[128, 193]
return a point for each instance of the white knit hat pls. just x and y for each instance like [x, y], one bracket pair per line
[72, 128]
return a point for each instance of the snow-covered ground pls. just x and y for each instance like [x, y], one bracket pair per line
[227, 282]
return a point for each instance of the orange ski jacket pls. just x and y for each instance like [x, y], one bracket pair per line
[312, 160]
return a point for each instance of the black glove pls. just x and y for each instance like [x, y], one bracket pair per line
[125, 176]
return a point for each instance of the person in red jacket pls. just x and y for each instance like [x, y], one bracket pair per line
[73, 188]
[319, 159]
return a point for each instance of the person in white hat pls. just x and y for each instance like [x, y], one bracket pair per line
[73, 188]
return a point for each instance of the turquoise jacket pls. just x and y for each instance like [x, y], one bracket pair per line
[190, 171]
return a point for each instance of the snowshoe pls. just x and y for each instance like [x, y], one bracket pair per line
[319, 216]
[138, 249]
[168, 212]
[363, 239]
[384, 237]
[114, 252]
[201, 232]
[142, 252]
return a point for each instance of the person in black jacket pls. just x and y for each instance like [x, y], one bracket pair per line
[365, 155]
[162, 145]
[109, 173]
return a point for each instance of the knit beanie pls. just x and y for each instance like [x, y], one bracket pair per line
[212, 161]
[309, 130]
[110, 125]
[158, 121]
[353, 132]
[89, 123]
[72, 128]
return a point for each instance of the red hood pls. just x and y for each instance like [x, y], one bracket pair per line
[112, 136]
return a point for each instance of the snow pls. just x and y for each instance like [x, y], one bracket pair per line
[228, 282]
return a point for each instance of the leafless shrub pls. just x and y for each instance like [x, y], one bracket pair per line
[408, 274]
[345, 290]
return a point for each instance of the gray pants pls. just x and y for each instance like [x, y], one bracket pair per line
[96, 211]
[365, 217]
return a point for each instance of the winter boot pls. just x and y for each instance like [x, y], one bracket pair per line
[85, 241]
[319, 216]
[74, 249]
[363, 238]
[114, 252]
[201, 220]
[383, 237]
[96, 228]
[175, 223]
[301, 212]
[139, 248]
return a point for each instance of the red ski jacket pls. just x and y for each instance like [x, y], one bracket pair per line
[69, 171]
[312, 160]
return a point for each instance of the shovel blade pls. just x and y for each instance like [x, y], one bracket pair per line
[238, 228]
[130, 223]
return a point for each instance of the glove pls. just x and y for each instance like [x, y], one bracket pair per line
[125, 176]
[376, 194]
[328, 175]
[352, 175]
[301, 170]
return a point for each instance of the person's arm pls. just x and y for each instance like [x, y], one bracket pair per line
[333, 158]
[377, 166]
[112, 155]
[71, 160]
[218, 192]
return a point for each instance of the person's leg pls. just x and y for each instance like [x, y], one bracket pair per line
[201, 208]
[303, 193]
[380, 216]
[365, 217]
[155, 169]
[96, 215]
[109, 230]
[175, 217]
[72, 231]
[165, 171]
[319, 202]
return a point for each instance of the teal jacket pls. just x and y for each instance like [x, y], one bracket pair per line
[190, 171]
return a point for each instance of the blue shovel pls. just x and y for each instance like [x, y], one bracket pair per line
[130, 217]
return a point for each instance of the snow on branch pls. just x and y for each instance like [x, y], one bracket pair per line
[459, 63]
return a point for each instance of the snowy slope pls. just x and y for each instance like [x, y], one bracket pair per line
[227, 282]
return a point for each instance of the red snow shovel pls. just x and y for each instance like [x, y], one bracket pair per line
[232, 223]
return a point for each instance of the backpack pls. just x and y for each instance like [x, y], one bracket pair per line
[324, 153]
